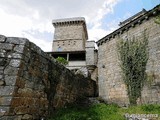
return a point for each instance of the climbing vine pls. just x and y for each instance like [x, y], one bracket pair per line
[133, 55]
[157, 19]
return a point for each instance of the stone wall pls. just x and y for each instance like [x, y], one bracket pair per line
[33, 84]
[91, 59]
[72, 31]
[68, 45]
[70, 37]
[90, 53]
[111, 85]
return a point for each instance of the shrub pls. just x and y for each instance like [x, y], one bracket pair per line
[62, 60]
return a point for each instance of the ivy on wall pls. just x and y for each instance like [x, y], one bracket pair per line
[133, 55]
[157, 19]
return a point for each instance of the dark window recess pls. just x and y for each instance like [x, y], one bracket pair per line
[60, 55]
[77, 56]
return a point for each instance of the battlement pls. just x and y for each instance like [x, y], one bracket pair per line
[68, 20]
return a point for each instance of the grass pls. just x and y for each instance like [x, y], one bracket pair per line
[103, 112]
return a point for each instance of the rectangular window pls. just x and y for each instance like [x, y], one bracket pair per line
[77, 57]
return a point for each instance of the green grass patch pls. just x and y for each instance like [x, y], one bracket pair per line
[103, 112]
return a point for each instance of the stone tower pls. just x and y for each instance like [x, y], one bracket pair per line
[70, 34]
[70, 42]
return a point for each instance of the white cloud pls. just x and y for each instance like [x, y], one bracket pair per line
[97, 32]
[17, 25]
[20, 16]
[105, 8]
[44, 45]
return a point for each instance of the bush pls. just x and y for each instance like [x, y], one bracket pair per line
[62, 60]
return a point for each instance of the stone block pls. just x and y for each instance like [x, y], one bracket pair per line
[10, 80]
[2, 54]
[27, 117]
[16, 40]
[2, 82]
[3, 110]
[19, 48]
[6, 90]
[5, 101]
[11, 118]
[17, 56]
[21, 110]
[3, 62]
[18, 117]
[2, 38]
[6, 46]
[1, 70]
[15, 63]
[11, 70]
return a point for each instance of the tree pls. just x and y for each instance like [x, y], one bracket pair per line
[62, 60]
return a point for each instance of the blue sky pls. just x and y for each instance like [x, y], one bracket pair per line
[32, 19]
[125, 9]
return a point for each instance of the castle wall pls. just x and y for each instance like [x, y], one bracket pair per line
[111, 85]
[68, 45]
[69, 37]
[71, 31]
[33, 84]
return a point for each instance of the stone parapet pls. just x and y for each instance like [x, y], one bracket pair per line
[33, 84]
[68, 20]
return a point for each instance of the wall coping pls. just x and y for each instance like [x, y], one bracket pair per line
[133, 17]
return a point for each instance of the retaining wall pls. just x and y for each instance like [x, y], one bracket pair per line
[33, 84]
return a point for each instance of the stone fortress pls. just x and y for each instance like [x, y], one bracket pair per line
[33, 84]
[70, 41]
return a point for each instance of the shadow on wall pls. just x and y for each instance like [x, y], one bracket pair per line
[33, 84]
